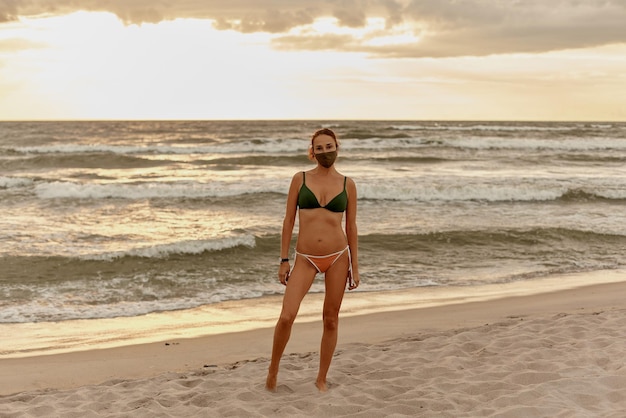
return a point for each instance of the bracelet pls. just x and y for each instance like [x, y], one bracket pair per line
[284, 260]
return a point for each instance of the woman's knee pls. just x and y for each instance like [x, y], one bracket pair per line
[286, 319]
[331, 320]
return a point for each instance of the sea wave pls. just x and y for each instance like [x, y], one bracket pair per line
[419, 142]
[496, 255]
[569, 144]
[355, 141]
[263, 145]
[583, 157]
[179, 275]
[464, 191]
[190, 247]
[451, 126]
[405, 189]
[488, 237]
[252, 160]
[89, 160]
[193, 273]
[581, 195]
[89, 304]
[149, 190]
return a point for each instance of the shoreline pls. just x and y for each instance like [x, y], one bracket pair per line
[359, 325]
[49, 338]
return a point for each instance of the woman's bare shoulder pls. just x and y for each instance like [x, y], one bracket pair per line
[297, 179]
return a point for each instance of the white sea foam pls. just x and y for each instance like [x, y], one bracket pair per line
[84, 300]
[488, 143]
[14, 182]
[489, 127]
[85, 149]
[506, 190]
[571, 144]
[187, 189]
[614, 193]
[476, 192]
[260, 146]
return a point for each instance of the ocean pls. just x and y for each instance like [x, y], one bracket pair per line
[116, 219]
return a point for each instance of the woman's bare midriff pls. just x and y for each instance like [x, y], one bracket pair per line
[320, 232]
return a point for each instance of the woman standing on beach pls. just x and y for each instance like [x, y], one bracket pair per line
[322, 195]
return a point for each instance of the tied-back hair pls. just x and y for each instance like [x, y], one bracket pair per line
[323, 131]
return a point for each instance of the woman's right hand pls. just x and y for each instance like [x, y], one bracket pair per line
[283, 272]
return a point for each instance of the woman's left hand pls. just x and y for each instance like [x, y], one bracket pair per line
[354, 280]
[283, 272]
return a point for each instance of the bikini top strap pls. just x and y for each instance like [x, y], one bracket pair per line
[303, 178]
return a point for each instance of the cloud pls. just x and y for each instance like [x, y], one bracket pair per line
[447, 28]
[440, 28]
[475, 27]
[8, 10]
[246, 15]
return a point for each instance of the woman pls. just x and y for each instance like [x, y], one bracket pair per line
[322, 195]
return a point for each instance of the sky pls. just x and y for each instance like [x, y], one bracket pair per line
[306, 59]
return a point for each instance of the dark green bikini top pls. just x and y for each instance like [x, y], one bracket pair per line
[307, 199]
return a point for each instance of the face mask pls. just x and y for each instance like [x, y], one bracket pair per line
[326, 159]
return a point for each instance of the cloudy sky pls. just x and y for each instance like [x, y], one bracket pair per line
[308, 59]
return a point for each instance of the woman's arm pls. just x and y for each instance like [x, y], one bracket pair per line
[352, 232]
[288, 224]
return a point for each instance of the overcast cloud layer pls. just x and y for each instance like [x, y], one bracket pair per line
[442, 27]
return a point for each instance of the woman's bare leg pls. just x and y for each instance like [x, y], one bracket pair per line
[335, 282]
[299, 283]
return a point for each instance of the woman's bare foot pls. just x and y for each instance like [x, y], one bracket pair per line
[321, 386]
[270, 383]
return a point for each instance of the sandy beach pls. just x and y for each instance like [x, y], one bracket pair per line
[552, 354]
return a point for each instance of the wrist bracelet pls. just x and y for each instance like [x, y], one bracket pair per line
[284, 260]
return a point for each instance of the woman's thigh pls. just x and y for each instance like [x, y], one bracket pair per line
[335, 284]
[300, 280]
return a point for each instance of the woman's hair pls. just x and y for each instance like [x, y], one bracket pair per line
[323, 131]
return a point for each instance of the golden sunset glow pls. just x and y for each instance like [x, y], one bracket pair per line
[418, 60]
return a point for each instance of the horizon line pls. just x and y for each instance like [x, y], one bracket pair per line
[312, 120]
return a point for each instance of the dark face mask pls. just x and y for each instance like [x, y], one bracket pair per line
[326, 159]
